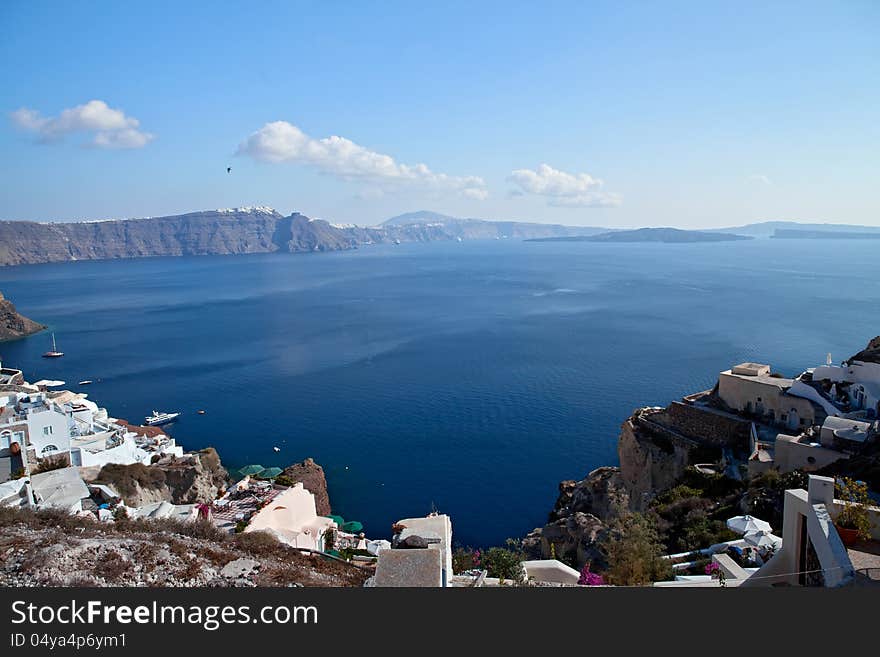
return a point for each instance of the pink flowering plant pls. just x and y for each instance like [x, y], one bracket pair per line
[590, 579]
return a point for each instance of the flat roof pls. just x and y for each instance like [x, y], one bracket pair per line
[62, 487]
[775, 381]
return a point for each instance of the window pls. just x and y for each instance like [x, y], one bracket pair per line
[785, 417]
[47, 431]
[48, 449]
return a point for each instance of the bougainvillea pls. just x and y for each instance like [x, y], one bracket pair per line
[590, 579]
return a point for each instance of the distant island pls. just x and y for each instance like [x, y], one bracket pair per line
[796, 234]
[238, 231]
[670, 235]
[262, 229]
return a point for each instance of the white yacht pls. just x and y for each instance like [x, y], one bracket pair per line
[160, 418]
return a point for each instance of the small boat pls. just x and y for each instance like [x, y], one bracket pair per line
[277, 449]
[54, 353]
[201, 411]
[397, 241]
[160, 418]
[86, 382]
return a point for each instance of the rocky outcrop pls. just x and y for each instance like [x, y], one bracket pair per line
[313, 480]
[649, 463]
[13, 325]
[579, 519]
[51, 548]
[655, 447]
[196, 477]
[871, 353]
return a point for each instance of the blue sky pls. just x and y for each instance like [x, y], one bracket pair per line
[612, 114]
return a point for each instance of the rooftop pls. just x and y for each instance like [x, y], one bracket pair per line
[59, 488]
[415, 567]
[751, 369]
[776, 381]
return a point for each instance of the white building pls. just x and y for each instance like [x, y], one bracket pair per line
[35, 424]
[858, 378]
[293, 518]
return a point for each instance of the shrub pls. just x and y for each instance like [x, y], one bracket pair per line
[465, 559]
[258, 543]
[505, 563]
[126, 479]
[854, 514]
[49, 463]
[201, 528]
[284, 480]
[111, 566]
[633, 551]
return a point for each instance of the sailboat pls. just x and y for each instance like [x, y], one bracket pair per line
[54, 353]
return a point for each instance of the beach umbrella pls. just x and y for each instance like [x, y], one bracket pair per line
[352, 526]
[761, 539]
[339, 520]
[747, 524]
[251, 470]
[270, 473]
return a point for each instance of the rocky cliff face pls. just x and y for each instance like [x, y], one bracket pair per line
[230, 232]
[312, 477]
[650, 462]
[579, 519]
[196, 477]
[13, 325]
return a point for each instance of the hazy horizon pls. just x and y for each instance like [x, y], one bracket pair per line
[491, 219]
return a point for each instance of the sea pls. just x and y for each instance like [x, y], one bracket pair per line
[468, 378]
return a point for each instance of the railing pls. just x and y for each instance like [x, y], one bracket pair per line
[872, 574]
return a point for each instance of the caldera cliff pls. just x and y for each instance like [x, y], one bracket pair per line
[12, 324]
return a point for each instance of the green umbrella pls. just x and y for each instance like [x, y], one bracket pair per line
[352, 526]
[270, 473]
[339, 520]
[250, 470]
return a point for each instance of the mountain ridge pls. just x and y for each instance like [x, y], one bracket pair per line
[261, 229]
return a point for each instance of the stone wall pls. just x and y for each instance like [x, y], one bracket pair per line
[704, 426]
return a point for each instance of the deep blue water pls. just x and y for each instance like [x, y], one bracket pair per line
[472, 376]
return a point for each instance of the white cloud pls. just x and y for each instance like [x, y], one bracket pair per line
[281, 141]
[111, 128]
[761, 178]
[563, 189]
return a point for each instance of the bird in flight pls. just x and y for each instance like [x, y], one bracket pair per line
[228, 169]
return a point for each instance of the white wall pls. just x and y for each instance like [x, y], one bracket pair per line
[59, 433]
[124, 454]
[292, 511]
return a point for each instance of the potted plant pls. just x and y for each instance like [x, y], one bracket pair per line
[853, 522]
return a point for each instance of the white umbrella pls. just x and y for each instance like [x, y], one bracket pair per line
[761, 539]
[747, 524]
